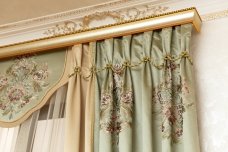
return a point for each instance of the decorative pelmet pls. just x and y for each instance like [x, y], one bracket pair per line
[27, 82]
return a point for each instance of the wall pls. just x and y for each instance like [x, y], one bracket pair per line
[210, 53]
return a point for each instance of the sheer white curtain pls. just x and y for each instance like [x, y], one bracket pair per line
[41, 132]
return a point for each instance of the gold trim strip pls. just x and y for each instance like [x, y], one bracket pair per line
[184, 16]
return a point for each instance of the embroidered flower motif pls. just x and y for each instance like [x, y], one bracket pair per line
[170, 115]
[184, 87]
[3, 81]
[116, 106]
[179, 132]
[168, 102]
[105, 99]
[15, 93]
[41, 74]
[21, 67]
[116, 116]
[171, 65]
[164, 95]
[118, 69]
[127, 98]
[3, 107]
[114, 127]
[21, 83]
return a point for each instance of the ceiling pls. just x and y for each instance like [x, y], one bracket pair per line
[17, 10]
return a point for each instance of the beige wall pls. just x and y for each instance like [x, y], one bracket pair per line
[210, 56]
[16, 10]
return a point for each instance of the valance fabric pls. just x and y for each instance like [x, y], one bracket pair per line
[27, 82]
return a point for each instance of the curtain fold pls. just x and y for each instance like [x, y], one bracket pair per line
[78, 119]
[145, 100]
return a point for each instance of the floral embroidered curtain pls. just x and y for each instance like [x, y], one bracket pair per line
[133, 94]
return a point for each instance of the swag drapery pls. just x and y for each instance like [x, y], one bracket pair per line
[131, 94]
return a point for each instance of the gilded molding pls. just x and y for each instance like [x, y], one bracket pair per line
[174, 18]
[100, 16]
[214, 16]
[116, 17]
[106, 26]
[66, 27]
[71, 26]
[66, 22]
[119, 16]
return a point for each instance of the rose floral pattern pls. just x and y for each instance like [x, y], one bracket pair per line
[119, 114]
[21, 83]
[145, 93]
[116, 106]
[168, 100]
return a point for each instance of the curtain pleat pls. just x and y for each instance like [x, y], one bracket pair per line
[78, 119]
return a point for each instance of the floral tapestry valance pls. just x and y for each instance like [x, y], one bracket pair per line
[26, 83]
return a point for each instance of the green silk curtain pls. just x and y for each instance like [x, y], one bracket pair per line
[144, 93]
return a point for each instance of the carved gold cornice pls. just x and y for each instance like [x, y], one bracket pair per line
[104, 26]
[184, 16]
[66, 22]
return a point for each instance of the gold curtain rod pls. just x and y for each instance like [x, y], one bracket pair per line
[184, 16]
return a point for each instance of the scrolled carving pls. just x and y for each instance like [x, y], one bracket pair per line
[66, 27]
[143, 11]
[99, 17]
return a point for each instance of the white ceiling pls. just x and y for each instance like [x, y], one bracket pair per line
[17, 10]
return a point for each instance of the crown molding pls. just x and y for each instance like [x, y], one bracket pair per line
[174, 18]
[82, 18]
[103, 14]
[85, 22]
